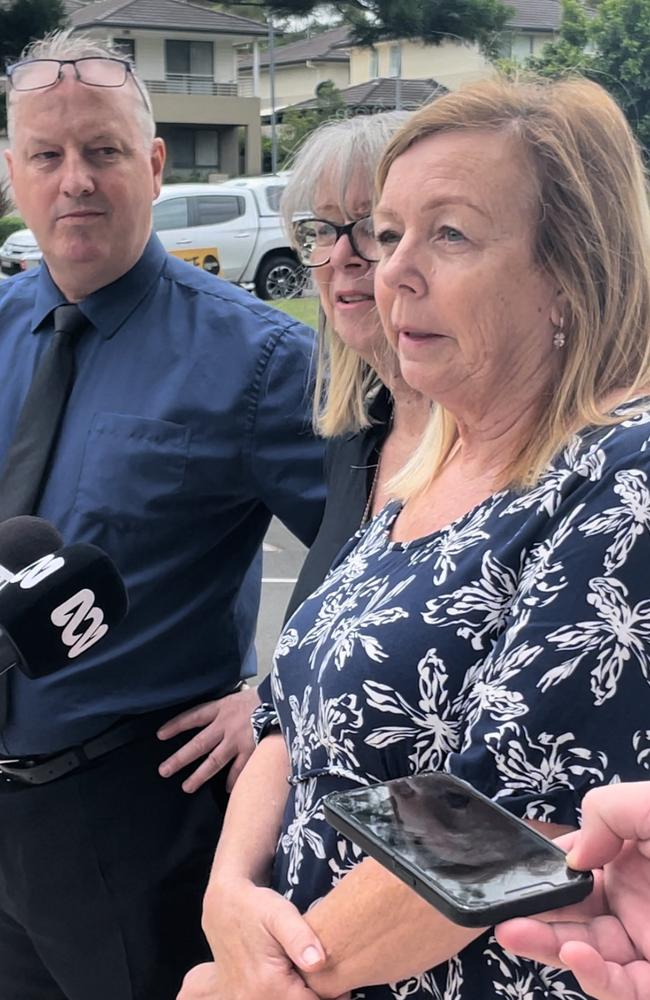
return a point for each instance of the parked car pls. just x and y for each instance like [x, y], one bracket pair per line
[236, 222]
[232, 229]
[19, 252]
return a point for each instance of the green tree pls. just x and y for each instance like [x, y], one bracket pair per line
[21, 22]
[613, 48]
[621, 37]
[428, 20]
[568, 53]
[24, 20]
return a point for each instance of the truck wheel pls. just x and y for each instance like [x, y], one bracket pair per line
[279, 277]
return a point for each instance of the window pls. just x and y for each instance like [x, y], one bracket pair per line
[395, 60]
[206, 148]
[185, 58]
[211, 209]
[373, 64]
[522, 47]
[170, 214]
[126, 46]
[518, 47]
[273, 194]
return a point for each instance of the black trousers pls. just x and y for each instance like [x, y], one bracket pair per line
[102, 875]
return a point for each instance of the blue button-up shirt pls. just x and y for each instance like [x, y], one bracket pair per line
[186, 428]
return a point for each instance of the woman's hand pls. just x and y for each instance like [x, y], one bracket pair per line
[260, 944]
[605, 940]
[204, 983]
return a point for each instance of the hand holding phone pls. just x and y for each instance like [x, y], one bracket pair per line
[467, 856]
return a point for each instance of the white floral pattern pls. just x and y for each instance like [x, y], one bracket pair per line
[627, 522]
[511, 648]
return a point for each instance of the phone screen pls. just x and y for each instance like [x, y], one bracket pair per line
[472, 851]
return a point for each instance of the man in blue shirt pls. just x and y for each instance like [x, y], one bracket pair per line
[186, 428]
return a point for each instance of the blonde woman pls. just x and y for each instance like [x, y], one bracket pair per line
[493, 623]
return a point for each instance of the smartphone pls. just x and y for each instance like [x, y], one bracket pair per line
[466, 855]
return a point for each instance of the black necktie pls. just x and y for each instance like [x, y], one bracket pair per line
[28, 459]
[27, 462]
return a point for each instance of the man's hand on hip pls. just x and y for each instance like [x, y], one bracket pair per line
[225, 735]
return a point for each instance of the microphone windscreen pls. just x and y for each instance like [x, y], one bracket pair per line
[62, 606]
[24, 539]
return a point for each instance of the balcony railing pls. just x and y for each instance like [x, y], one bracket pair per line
[181, 83]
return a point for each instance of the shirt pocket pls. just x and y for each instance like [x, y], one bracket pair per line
[132, 470]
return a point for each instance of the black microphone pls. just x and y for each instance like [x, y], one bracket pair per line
[58, 607]
[22, 540]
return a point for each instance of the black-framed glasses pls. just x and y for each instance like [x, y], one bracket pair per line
[316, 238]
[95, 71]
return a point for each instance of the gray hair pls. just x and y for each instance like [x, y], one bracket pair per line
[338, 151]
[341, 149]
[66, 45]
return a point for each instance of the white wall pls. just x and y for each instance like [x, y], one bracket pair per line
[149, 57]
[451, 63]
[297, 83]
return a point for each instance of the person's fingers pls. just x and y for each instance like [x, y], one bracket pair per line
[227, 734]
[207, 743]
[605, 980]
[545, 943]
[295, 937]
[566, 841]
[218, 758]
[531, 939]
[193, 718]
[200, 983]
[610, 815]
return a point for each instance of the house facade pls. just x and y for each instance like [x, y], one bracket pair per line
[299, 68]
[454, 63]
[187, 55]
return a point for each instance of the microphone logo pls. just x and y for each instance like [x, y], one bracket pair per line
[77, 611]
[32, 575]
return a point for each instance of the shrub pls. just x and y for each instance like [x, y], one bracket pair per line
[8, 225]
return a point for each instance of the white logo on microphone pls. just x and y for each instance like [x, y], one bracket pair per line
[32, 575]
[80, 610]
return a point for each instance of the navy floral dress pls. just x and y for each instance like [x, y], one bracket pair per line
[511, 648]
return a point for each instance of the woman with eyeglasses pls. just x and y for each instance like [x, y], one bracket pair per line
[371, 417]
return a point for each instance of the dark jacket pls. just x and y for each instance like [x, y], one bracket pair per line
[350, 466]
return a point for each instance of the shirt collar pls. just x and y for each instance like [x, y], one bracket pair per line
[108, 307]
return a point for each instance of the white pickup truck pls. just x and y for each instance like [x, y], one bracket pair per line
[232, 229]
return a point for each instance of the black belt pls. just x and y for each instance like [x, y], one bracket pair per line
[41, 770]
